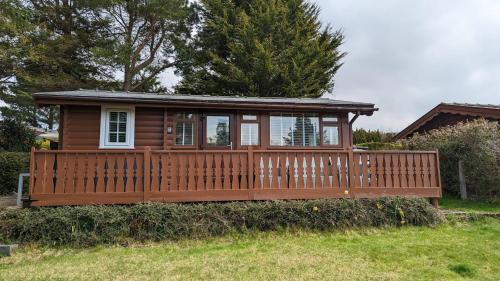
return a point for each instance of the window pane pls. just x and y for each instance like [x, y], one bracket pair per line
[331, 135]
[330, 118]
[250, 134]
[122, 137]
[117, 127]
[112, 137]
[249, 117]
[311, 131]
[122, 127]
[184, 133]
[113, 116]
[184, 115]
[294, 130]
[218, 130]
[113, 126]
[123, 117]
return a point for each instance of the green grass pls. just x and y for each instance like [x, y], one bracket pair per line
[468, 251]
[465, 205]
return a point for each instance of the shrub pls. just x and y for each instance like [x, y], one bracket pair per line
[477, 143]
[11, 164]
[91, 225]
[381, 145]
[16, 136]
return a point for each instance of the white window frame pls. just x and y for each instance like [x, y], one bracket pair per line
[104, 132]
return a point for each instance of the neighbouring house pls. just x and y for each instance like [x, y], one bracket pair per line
[448, 114]
[119, 147]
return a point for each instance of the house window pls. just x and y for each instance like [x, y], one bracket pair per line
[249, 130]
[184, 129]
[331, 134]
[294, 129]
[117, 127]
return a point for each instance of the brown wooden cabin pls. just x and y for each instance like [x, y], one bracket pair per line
[448, 114]
[117, 147]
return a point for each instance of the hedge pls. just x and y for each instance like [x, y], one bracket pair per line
[477, 144]
[90, 225]
[11, 164]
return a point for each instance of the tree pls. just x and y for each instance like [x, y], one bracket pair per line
[16, 136]
[144, 37]
[271, 48]
[48, 45]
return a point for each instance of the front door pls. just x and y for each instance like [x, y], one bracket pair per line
[217, 131]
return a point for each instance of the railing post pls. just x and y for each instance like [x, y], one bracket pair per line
[350, 171]
[32, 171]
[250, 173]
[147, 173]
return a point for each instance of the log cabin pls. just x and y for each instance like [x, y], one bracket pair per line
[121, 147]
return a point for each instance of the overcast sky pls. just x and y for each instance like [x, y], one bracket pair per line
[408, 56]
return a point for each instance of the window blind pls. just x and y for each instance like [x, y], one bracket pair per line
[184, 133]
[249, 134]
[117, 127]
[289, 129]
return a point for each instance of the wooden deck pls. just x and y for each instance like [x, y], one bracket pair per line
[120, 177]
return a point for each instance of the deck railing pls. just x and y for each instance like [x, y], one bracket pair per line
[117, 177]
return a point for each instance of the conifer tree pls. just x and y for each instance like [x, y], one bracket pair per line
[271, 48]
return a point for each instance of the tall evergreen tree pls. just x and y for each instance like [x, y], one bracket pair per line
[272, 48]
[48, 45]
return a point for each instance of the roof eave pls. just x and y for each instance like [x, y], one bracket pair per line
[42, 99]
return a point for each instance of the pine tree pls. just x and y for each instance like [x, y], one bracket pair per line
[272, 48]
[144, 37]
[48, 48]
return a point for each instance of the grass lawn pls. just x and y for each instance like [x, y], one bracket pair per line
[464, 205]
[448, 252]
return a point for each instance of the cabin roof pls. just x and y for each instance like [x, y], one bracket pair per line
[86, 96]
[487, 111]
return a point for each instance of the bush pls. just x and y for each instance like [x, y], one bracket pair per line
[11, 164]
[91, 225]
[16, 136]
[381, 145]
[477, 143]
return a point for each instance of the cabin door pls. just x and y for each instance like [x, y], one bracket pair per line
[217, 131]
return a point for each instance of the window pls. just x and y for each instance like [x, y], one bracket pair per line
[329, 118]
[218, 131]
[249, 130]
[249, 117]
[117, 127]
[330, 130]
[330, 135]
[184, 129]
[292, 129]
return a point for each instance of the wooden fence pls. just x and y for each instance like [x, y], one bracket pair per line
[119, 177]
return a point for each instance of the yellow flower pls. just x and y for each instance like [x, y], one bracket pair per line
[315, 209]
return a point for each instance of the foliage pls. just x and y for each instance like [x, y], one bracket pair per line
[16, 136]
[366, 136]
[381, 145]
[144, 37]
[477, 143]
[11, 164]
[47, 48]
[89, 225]
[268, 48]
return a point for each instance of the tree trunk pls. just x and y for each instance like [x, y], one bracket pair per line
[461, 178]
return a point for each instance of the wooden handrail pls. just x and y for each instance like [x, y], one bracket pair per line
[127, 176]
